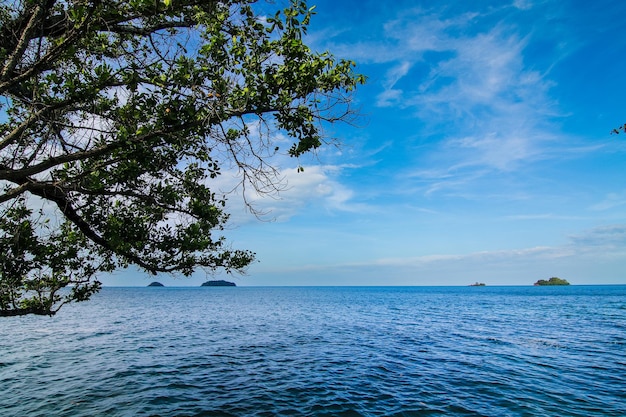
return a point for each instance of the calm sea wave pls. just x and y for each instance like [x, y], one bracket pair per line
[317, 351]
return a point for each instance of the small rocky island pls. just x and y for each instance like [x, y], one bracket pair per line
[477, 284]
[218, 283]
[155, 284]
[552, 281]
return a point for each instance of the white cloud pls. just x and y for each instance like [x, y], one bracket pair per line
[388, 98]
[488, 109]
[397, 72]
[484, 257]
[579, 260]
[523, 4]
[316, 188]
[541, 216]
[605, 237]
[612, 200]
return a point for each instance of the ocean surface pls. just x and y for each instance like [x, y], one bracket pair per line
[321, 351]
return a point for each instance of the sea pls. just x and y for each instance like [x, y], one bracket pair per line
[321, 351]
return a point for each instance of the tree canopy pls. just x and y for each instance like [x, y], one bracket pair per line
[619, 129]
[115, 116]
[552, 281]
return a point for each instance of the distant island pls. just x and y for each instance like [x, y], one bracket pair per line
[155, 284]
[219, 283]
[552, 281]
[477, 284]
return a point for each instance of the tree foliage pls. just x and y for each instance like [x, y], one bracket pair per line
[552, 281]
[116, 115]
[619, 129]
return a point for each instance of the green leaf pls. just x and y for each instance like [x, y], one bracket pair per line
[125, 129]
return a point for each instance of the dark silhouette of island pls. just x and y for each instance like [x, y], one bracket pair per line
[477, 284]
[155, 284]
[552, 281]
[218, 283]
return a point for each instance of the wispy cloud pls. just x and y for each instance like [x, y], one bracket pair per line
[317, 187]
[606, 237]
[599, 247]
[485, 108]
[541, 216]
[523, 4]
[612, 200]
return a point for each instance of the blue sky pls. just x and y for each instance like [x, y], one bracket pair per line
[483, 152]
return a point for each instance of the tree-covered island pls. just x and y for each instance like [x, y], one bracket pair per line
[218, 283]
[117, 116]
[552, 281]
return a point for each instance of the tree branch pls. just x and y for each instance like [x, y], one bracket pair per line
[22, 43]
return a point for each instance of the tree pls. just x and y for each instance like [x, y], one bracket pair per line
[116, 115]
[617, 130]
[552, 281]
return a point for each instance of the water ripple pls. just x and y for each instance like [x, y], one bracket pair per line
[322, 352]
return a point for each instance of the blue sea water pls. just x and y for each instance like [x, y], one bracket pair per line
[321, 351]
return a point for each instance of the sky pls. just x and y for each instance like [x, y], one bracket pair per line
[482, 152]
